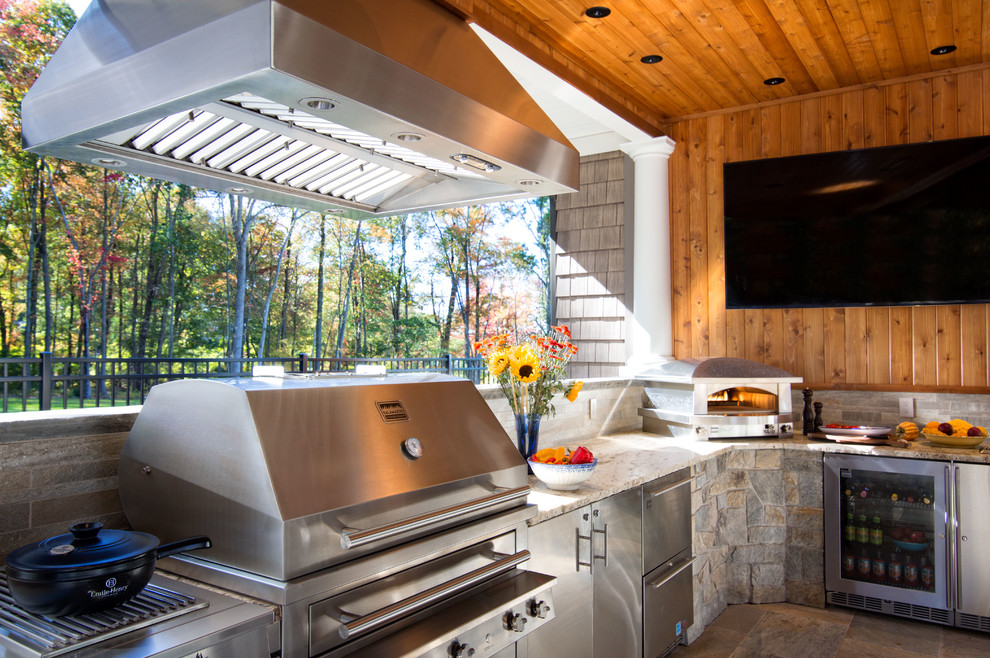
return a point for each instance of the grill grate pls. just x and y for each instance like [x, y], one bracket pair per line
[56, 636]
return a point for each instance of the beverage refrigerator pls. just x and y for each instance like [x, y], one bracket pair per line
[908, 537]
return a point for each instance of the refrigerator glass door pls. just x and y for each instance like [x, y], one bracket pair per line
[972, 541]
[885, 529]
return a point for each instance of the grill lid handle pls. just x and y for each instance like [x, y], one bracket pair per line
[353, 537]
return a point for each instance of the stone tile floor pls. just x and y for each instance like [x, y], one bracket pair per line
[784, 630]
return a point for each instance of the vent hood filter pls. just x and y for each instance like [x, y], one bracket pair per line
[380, 107]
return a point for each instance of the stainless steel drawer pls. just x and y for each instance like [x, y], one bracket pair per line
[668, 604]
[666, 518]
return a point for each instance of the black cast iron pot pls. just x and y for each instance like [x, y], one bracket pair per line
[89, 570]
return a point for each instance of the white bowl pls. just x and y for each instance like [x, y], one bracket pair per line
[565, 477]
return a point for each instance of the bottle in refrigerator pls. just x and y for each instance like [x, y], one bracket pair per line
[848, 562]
[910, 572]
[895, 569]
[849, 527]
[863, 565]
[876, 532]
[862, 529]
[926, 575]
[879, 568]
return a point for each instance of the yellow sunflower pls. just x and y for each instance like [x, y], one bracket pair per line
[525, 364]
[498, 361]
[573, 390]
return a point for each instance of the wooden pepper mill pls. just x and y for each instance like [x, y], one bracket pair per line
[808, 416]
[818, 416]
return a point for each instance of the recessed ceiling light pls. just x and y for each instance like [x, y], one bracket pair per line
[318, 103]
[240, 190]
[651, 59]
[774, 81]
[109, 162]
[407, 137]
[943, 50]
[597, 12]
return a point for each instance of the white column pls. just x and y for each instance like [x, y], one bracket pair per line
[649, 335]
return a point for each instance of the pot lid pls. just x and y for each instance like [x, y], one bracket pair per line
[86, 546]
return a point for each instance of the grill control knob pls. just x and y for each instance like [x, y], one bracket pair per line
[538, 609]
[514, 622]
[458, 650]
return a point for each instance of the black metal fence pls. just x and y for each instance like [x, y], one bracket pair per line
[50, 382]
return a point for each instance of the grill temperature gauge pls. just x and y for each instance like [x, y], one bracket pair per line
[413, 447]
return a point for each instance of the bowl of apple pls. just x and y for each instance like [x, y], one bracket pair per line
[908, 539]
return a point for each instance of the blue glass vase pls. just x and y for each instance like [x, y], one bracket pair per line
[528, 434]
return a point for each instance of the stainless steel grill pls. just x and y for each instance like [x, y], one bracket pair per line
[385, 515]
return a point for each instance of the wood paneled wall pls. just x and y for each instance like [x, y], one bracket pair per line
[877, 348]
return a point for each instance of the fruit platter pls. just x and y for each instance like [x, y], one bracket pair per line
[956, 433]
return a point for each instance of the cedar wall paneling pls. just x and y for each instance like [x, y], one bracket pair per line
[879, 348]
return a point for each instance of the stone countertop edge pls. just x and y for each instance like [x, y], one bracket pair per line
[630, 459]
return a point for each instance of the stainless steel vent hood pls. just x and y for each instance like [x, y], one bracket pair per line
[381, 107]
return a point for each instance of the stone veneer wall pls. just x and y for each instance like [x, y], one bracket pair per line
[880, 408]
[758, 531]
[589, 270]
[59, 468]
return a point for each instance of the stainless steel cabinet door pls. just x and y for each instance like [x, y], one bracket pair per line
[561, 547]
[972, 500]
[617, 531]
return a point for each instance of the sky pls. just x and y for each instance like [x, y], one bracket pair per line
[78, 6]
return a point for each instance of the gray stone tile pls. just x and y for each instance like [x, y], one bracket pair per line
[787, 635]
[739, 618]
[957, 643]
[856, 649]
[895, 633]
[714, 642]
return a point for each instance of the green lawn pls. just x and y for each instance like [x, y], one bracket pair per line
[71, 402]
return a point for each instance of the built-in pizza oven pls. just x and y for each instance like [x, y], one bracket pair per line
[742, 400]
[718, 397]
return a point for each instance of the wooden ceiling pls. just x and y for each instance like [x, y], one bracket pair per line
[717, 53]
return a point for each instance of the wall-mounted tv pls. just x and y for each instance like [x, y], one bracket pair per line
[887, 226]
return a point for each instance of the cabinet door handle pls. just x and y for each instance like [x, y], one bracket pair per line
[577, 552]
[604, 556]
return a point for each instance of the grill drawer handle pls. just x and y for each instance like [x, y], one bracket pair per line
[352, 627]
[667, 578]
[353, 537]
[654, 494]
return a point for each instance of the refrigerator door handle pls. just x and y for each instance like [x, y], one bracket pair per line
[950, 497]
[954, 523]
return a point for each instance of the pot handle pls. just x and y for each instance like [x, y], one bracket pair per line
[191, 544]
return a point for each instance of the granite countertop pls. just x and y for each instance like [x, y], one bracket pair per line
[634, 458]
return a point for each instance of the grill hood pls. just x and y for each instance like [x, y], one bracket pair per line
[379, 107]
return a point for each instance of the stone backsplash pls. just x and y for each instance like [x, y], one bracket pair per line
[882, 408]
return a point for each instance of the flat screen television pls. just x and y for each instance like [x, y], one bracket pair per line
[887, 226]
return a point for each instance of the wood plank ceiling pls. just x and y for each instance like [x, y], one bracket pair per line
[718, 53]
